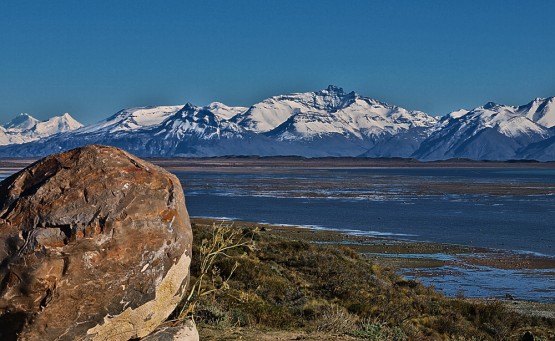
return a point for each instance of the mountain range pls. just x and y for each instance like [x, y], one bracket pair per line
[25, 128]
[328, 122]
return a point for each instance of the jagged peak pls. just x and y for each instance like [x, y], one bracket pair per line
[538, 101]
[190, 110]
[490, 105]
[334, 89]
[543, 99]
[189, 106]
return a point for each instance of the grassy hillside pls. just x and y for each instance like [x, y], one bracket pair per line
[272, 284]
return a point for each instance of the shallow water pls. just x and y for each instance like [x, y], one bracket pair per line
[512, 209]
[488, 282]
[495, 208]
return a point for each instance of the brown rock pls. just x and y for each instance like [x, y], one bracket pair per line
[183, 332]
[95, 244]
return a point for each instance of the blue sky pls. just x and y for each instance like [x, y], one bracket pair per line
[92, 58]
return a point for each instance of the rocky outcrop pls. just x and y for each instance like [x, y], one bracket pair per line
[95, 244]
[184, 331]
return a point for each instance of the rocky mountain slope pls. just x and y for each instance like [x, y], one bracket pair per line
[328, 122]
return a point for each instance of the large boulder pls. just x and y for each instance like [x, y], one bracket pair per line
[95, 244]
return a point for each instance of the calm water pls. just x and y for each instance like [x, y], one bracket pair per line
[496, 208]
[512, 209]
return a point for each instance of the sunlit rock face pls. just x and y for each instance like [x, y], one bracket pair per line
[95, 244]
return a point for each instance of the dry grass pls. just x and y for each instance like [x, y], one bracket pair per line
[294, 285]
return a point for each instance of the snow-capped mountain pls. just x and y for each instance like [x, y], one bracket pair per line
[272, 112]
[328, 122]
[540, 110]
[200, 122]
[25, 128]
[490, 132]
[329, 111]
[55, 125]
[22, 122]
[131, 119]
[186, 130]
[349, 115]
[223, 111]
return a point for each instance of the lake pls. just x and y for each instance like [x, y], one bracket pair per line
[496, 208]
[499, 208]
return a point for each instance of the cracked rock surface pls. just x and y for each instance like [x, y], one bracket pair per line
[95, 244]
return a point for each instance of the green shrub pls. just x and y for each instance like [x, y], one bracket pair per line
[263, 280]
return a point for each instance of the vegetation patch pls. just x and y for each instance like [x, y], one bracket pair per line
[265, 282]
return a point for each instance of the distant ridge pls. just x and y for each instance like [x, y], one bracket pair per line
[325, 123]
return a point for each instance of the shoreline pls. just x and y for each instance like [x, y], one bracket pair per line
[368, 242]
[269, 162]
[437, 264]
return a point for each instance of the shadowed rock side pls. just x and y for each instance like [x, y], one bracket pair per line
[95, 244]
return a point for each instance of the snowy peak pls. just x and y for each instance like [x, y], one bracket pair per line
[197, 115]
[223, 111]
[350, 116]
[541, 111]
[174, 120]
[508, 120]
[334, 89]
[458, 114]
[132, 119]
[27, 124]
[272, 112]
[331, 111]
[490, 106]
[57, 124]
[492, 132]
[25, 128]
[198, 122]
[22, 122]
[332, 98]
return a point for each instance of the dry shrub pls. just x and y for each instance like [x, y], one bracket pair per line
[336, 319]
[210, 280]
[291, 284]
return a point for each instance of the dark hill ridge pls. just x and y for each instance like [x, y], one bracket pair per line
[329, 122]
